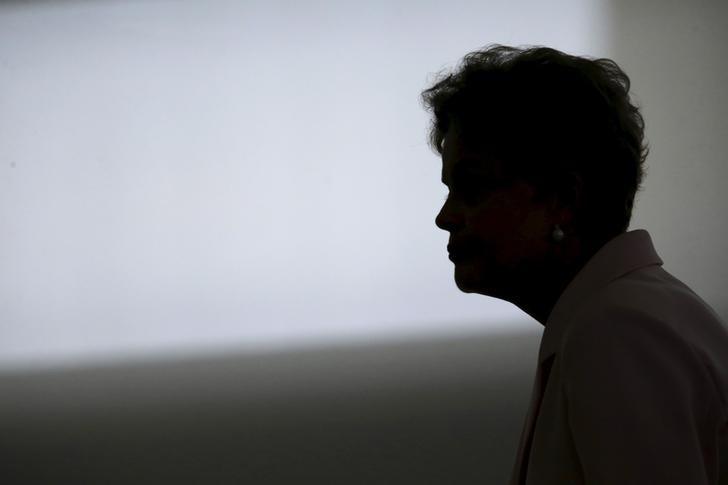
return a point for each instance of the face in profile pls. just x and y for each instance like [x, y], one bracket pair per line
[499, 234]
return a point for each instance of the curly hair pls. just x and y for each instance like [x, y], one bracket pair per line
[544, 113]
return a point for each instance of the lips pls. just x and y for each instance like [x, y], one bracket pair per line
[459, 247]
[459, 252]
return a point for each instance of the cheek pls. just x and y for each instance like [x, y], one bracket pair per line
[496, 220]
[534, 227]
[530, 243]
[509, 233]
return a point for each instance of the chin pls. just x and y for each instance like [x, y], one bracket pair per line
[466, 281]
[467, 289]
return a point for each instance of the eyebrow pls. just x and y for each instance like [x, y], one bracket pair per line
[467, 167]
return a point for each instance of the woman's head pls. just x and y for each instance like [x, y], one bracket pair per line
[542, 114]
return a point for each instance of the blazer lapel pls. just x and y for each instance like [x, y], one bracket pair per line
[518, 477]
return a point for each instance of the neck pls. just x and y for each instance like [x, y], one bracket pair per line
[540, 302]
[547, 285]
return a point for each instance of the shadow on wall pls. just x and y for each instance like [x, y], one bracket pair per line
[439, 411]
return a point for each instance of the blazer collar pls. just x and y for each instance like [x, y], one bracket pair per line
[624, 253]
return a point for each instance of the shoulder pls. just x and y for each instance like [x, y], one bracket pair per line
[628, 311]
[646, 304]
[645, 326]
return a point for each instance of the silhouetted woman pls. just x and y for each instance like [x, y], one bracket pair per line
[543, 153]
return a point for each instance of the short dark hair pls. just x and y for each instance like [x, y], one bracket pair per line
[544, 113]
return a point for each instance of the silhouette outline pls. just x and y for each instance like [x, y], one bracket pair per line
[543, 154]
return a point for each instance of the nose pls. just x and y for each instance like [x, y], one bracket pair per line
[447, 219]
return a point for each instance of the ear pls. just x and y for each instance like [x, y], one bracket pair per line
[571, 190]
[567, 197]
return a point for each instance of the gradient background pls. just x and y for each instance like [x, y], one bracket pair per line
[217, 232]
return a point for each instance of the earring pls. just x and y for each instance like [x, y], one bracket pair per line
[557, 235]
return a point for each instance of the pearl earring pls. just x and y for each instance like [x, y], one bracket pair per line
[557, 235]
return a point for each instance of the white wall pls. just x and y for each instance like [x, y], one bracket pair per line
[248, 175]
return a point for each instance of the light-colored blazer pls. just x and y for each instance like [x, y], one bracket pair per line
[632, 379]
